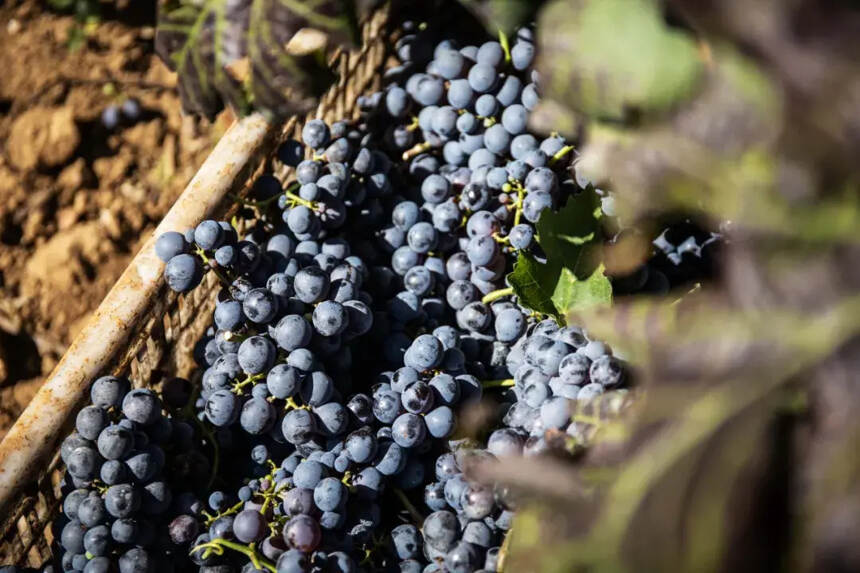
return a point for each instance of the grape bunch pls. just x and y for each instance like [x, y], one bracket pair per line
[360, 315]
[124, 462]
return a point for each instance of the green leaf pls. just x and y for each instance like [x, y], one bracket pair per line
[237, 51]
[534, 283]
[573, 295]
[572, 278]
[608, 57]
[567, 236]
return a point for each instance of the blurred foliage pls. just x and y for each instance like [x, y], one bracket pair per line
[264, 54]
[739, 450]
[87, 16]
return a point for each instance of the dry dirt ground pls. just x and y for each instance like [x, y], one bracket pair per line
[76, 200]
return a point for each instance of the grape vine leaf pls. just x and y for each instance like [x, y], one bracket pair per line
[573, 295]
[584, 65]
[567, 236]
[533, 283]
[572, 277]
[262, 54]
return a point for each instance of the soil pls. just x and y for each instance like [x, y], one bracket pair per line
[77, 199]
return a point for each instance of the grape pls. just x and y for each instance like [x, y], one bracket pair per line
[390, 458]
[222, 407]
[482, 157]
[510, 90]
[589, 392]
[131, 109]
[136, 560]
[514, 119]
[463, 557]
[435, 188]
[541, 180]
[522, 55]
[491, 54]
[90, 421]
[293, 332]
[509, 324]
[408, 430]
[257, 416]
[606, 371]
[440, 530]
[428, 90]
[481, 250]
[424, 353]
[496, 139]
[141, 406]
[333, 418]
[260, 305]
[407, 541]
[482, 77]
[208, 235]
[183, 272]
[256, 355]
[311, 284]
[110, 117]
[330, 318]
[534, 204]
[486, 105]
[594, 349]
[440, 422]
[449, 64]
[114, 442]
[169, 245]
[396, 101]
[121, 500]
[555, 413]
[417, 398]
[521, 236]
[530, 97]
[329, 494]
[302, 533]
[315, 134]
[522, 144]
[460, 95]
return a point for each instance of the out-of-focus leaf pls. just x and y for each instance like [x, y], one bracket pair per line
[504, 15]
[534, 283]
[239, 52]
[609, 57]
[572, 294]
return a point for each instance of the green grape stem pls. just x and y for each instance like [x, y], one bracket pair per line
[229, 511]
[238, 387]
[417, 149]
[296, 200]
[497, 294]
[507, 382]
[506, 46]
[214, 268]
[560, 154]
[217, 547]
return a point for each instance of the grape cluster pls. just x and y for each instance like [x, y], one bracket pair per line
[123, 463]
[682, 253]
[359, 316]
